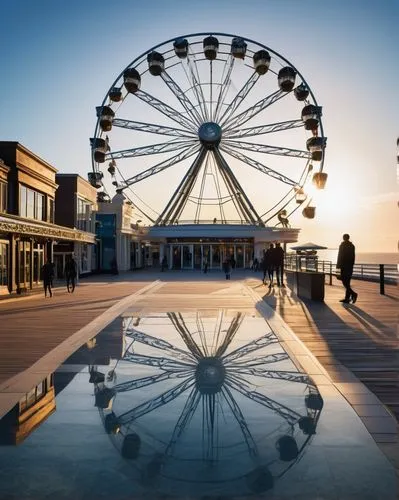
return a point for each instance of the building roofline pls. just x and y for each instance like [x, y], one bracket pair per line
[24, 149]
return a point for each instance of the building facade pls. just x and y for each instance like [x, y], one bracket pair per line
[118, 236]
[28, 231]
[75, 206]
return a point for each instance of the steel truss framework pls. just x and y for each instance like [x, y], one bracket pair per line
[191, 96]
[210, 398]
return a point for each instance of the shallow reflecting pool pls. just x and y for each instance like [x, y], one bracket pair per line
[187, 405]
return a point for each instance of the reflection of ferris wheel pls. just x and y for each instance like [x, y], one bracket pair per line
[201, 412]
[214, 117]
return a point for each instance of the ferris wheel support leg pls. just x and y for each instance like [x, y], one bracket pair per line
[248, 210]
[179, 197]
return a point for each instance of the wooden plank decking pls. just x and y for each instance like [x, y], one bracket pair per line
[363, 337]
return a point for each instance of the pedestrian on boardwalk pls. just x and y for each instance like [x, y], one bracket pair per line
[256, 264]
[232, 262]
[71, 272]
[345, 262]
[205, 265]
[164, 263]
[268, 265]
[227, 268]
[278, 254]
[48, 275]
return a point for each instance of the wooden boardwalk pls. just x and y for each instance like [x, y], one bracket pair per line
[363, 337]
[32, 326]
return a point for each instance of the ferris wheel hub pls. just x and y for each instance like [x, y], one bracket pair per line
[210, 134]
[210, 375]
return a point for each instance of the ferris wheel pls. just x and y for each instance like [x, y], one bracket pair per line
[210, 128]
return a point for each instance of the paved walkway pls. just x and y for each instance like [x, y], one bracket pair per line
[363, 337]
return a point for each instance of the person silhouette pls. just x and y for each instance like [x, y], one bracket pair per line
[70, 273]
[48, 275]
[345, 262]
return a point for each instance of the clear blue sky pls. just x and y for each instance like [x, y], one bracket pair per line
[59, 58]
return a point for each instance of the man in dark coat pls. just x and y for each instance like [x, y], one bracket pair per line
[268, 265]
[345, 262]
[278, 257]
[70, 273]
[48, 275]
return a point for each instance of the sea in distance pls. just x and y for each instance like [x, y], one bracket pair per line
[361, 257]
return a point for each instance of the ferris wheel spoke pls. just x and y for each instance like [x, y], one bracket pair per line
[154, 403]
[289, 415]
[131, 385]
[152, 129]
[254, 345]
[271, 150]
[224, 86]
[180, 325]
[163, 165]
[259, 166]
[230, 333]
[181, 96]
[239, 120]
[158, 343]
[158, 362]
[263, 129]
[164, 147]
[167, 110]
[238, 415]
[196, 86]
[241, 95]
[274, 374]
[261, 360]
[184, 419]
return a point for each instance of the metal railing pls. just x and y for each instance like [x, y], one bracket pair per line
[382, 273]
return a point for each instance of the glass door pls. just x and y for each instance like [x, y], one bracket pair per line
[187, 257]
[176, 257]
[197, 256]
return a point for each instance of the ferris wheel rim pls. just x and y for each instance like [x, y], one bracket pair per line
[139, 59]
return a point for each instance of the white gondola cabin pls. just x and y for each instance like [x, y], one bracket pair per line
[95, 179]
[316, 146]
[286, 78]
[320, 179]
[261, 61]
[181, 48]
[132, 80]
[309, 212]
[156, 63]
[301, 92]
[238, 48]
[211, 47]
[106, 116]
[115, 94]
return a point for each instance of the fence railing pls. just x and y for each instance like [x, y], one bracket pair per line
[382, 273]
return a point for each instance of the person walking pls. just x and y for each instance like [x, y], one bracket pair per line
[278, 254]
[205, 265]
[70, 273]
[268, 265]
[345, 262]
[227, 268]
[48, 275]
[164, 263]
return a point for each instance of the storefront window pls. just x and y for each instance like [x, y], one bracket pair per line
[83, 216]
[84, 258]
[3, 264]
[3, 197]
[31, 203]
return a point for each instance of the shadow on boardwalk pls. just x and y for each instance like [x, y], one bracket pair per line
[362, 337]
